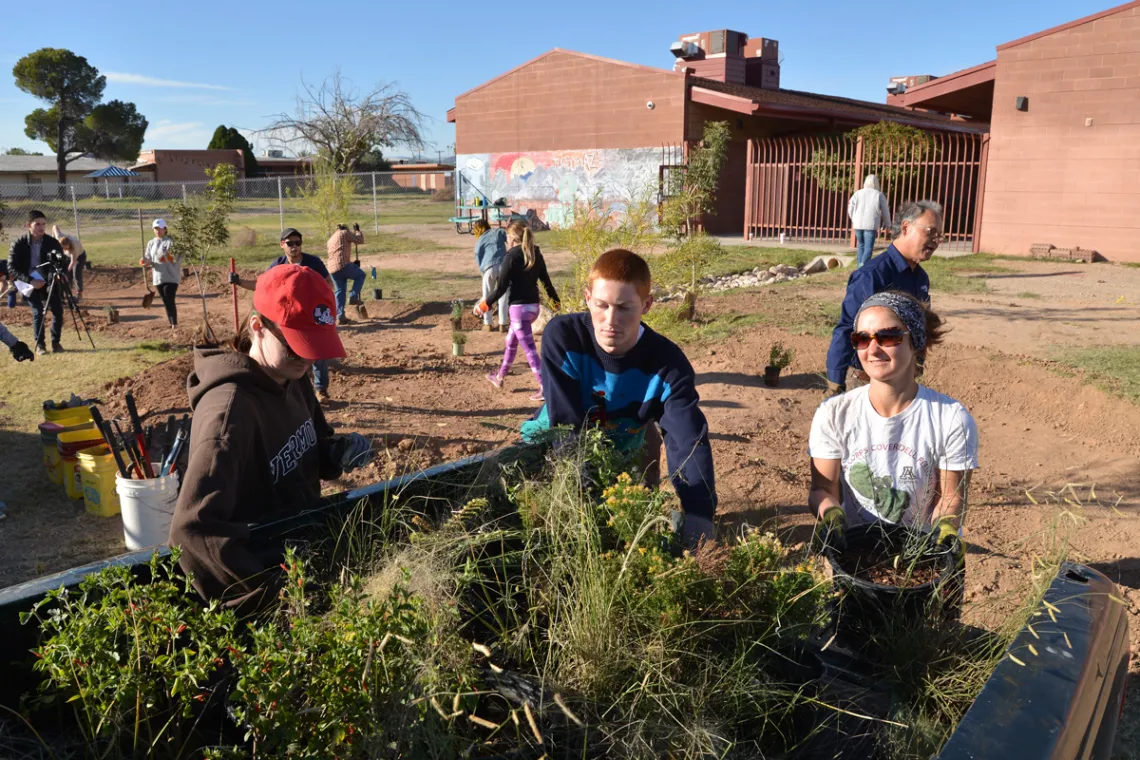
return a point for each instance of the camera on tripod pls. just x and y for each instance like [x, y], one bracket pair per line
[55, 263]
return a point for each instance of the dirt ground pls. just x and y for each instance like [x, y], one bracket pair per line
[1040, 430]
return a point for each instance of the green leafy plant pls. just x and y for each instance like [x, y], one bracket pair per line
[200, 225]
[780, 356]
[456, 310]
[327, 195]
[133, 660]
[891, 151]
[458, 338]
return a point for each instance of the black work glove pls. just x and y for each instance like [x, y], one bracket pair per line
[831, 532]
[234, 279]
[20, 352]
[356, 227]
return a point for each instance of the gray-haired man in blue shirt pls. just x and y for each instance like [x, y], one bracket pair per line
[917, 232]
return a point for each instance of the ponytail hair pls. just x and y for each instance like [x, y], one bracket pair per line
[521, 232]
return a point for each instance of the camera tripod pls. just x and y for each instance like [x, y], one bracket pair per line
[59, 280]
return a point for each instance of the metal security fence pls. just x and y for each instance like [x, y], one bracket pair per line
[105, 207]
[798, 187]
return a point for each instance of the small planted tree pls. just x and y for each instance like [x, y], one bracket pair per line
[597, 227]
[779, 358]
[891, 151]
[327, 195]
[200, 226]
[691, 195]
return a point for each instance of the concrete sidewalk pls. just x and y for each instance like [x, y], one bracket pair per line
[840, 248]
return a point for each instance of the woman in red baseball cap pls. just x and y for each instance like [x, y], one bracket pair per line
[259, 444]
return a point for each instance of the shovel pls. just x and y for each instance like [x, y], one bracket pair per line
[148, 299]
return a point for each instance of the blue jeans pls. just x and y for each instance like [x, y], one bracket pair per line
[865, 245]
[321, 375]
[340, 280]
[38, 300]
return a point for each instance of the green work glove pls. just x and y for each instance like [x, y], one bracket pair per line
[947, 530]
[832, 529]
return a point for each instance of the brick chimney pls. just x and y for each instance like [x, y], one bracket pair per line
[762, 63]
[713, 55]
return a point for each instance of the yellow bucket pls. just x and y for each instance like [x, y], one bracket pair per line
[71, 442]
[49, 439]
[75, 415]
[97, 472]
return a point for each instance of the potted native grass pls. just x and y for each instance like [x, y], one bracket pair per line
[779, 357]
[458, 339]
[457, 315]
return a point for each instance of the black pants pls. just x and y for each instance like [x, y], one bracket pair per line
[166, 291]
[76, 275]
[37, 300]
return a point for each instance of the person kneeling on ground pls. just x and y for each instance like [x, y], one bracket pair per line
[344, 269]
[903, 452]
[259, 444]
[606, 367]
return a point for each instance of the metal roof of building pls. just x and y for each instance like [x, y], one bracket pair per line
[37, 164]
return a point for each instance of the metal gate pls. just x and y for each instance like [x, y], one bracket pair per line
[799, 186]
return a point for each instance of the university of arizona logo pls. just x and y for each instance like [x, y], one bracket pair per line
[908, 476]
[322, 315]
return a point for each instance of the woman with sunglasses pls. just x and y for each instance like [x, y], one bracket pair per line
[892, 450]
[259, 445]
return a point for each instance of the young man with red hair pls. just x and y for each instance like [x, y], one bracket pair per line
[605, 367]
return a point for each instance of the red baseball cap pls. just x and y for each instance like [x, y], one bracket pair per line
[300, 302]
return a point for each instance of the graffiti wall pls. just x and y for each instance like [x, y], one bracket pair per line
[551, 181]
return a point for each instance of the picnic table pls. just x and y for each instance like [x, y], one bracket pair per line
[501, 214]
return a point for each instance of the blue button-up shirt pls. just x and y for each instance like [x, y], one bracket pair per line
[890, 271]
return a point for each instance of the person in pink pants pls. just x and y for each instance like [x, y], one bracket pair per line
[520, 272]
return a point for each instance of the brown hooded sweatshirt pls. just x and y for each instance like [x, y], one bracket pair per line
[258, 450]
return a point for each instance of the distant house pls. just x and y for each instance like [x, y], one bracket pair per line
[274, 163]
[422, 176]
[185, 165]
[35, 176]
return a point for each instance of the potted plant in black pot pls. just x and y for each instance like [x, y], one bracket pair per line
[458, 339]
[457, 315]
[779, 357]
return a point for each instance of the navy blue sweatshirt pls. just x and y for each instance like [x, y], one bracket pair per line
[654, 382]
[888, 271]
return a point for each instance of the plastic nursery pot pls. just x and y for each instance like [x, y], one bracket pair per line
[377, 294]
[771, 376]
[867, 603]
[457, 349]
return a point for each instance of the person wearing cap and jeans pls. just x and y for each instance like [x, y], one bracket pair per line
[291, 245]
[259, 444]
[343, 269]
[165, 262]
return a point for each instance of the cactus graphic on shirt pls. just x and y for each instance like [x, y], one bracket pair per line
[890, 503]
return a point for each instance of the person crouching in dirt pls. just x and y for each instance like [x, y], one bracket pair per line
[519, 275]
[605, 367]
[893, 450]
[490, 250]
[259, 444]
[291, 245]
[77, 256]
[344, 269]
[917, 232]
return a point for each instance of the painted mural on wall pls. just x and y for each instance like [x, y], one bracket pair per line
[551, 181]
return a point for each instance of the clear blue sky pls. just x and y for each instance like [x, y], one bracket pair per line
[238, 63]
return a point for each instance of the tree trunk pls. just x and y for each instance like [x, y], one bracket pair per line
[60, 159]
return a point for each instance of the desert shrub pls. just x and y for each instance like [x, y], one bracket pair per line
[443, 194]
[245, 237]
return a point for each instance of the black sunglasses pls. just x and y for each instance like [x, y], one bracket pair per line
[273, 329]
[889, 338]
[293, 243]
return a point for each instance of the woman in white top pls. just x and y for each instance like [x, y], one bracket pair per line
[869, 212]
[77, 256]
[902, 452]
[166, 265]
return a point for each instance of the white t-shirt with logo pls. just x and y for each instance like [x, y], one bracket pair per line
[890, 464]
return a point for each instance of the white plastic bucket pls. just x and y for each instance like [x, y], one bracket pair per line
[147, 507]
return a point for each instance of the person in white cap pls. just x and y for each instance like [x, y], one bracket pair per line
[166, 265]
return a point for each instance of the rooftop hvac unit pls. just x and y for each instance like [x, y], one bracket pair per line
[684, 49]
[896, 88]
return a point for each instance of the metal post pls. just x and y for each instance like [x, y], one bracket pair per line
[74, 210]
[184, 193]
[375, 209]
[280, 205]
[107, 188]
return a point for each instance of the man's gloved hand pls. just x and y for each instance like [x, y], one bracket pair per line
[355, 227]
[233, 279]
[20, 352]
[947, 530]
[556, 306]
[831, 532]
[351, 451]
[834, 389]
[693, 530]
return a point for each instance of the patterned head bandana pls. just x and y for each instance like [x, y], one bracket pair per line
[908, 311]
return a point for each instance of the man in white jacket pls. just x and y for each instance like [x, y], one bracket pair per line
[868, 212]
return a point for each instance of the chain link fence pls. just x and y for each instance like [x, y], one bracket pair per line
[107, 209]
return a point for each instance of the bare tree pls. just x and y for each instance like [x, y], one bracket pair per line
[337, 122]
